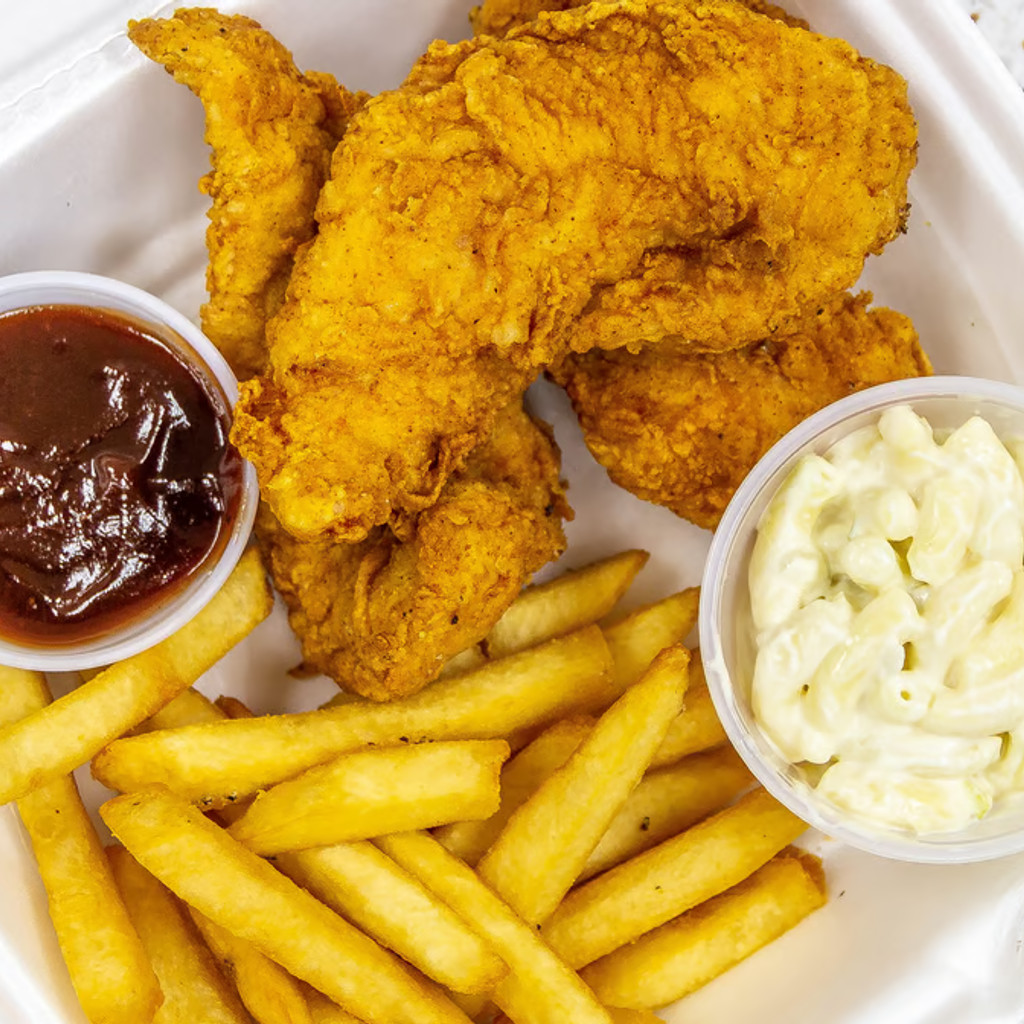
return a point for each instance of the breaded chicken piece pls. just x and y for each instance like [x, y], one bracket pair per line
[507, 188]
[497, 17]
[383, 616]
[378, 614]
[272, 131]
[683, 429]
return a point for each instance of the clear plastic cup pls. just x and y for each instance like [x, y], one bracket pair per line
[162, 617]
[726, 631]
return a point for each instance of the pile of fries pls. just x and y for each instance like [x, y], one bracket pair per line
[597, 850]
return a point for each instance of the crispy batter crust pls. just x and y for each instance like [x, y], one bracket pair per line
[383, 616]
[272, 131]
[609, 175]
[683, 429]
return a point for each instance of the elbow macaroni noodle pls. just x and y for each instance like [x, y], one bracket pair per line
[887, 597]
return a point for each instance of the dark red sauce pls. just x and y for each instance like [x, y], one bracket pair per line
[116, 476]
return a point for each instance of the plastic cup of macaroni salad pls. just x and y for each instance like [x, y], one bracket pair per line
[858, 620]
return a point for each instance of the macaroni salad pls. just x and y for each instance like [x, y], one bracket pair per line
[887, 596]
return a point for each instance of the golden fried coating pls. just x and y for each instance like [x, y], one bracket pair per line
[683, 429]
[512, 185]
[272, 131]
[383, 616]
[497, 17]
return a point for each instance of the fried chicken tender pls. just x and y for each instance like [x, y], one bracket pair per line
[683, 429]
[510, 186]
[497, 17]
[383, 616]
[272, 131]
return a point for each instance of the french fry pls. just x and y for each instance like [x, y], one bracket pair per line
[221, 761]
[251, 899]
[325, 1011]
[194, 988]
[464, 661]
[65, 734]
[696, 727]
[617, 1014]
[268, 992]
[619, 906]
[667, 801]
[375, 894]
[109, 968]
[679, 957]
[373, 792]
[636, 639]
[472, 1005]
[543, 848]
[190, 707]
[230, 707]
[564, 604]
[520, 779]
[555, 994]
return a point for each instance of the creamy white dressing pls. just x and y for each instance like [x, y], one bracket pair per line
[887, 598]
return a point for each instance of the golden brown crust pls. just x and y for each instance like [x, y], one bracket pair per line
[518, 195]
[683, 429]
[272, 131]
[498, 17]
[382, 616]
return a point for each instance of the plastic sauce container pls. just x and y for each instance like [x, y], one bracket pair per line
[126, 508]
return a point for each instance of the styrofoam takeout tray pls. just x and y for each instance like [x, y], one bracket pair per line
[98, 170]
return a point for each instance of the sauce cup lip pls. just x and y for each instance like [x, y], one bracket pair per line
[38, 288]
[727, 560]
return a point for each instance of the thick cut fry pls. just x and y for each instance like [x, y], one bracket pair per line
[222, 761]
[231, 707]
[696, 727]
[252, 900]
[190, 707]
[617, 1014]
[564, 604]
[543, 848]
[681, 956]
[473, 1005]
[109, 968]
[193, 987]
[464, 661]
[520, 779]
[267, 991]
[373, 792]
[667, 801]
[635, 640]
[56, 740]
[375, 894]
[556, 994]
[22, 693]
[622, 904]
[323, 1010]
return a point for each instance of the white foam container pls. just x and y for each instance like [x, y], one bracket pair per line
[98, 171]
